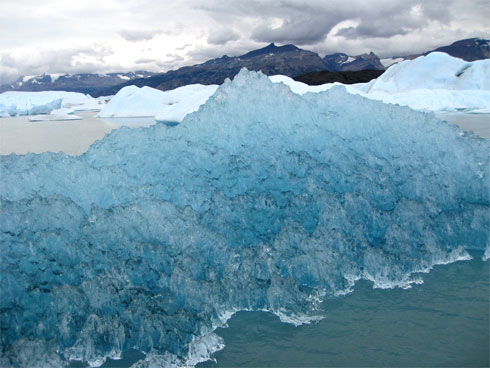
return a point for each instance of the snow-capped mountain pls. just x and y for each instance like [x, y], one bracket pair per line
[85, 82]
[340, 62]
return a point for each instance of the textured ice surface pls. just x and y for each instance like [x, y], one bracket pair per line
[261, 200]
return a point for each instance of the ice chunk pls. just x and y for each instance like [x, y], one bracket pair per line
[261, 200]
[486, 255]
[54, 117]
[62, 111]
[171, 105]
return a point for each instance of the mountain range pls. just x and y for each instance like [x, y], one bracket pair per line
[93, 84]
[286, 60]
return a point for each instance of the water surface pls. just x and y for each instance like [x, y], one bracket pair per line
[444, 322]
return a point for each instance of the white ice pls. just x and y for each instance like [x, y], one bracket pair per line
[171, 105]
[436, 82]
[14, 103]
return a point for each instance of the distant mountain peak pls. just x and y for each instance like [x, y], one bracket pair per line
[469, 49]
[270, 49]
[340, 62]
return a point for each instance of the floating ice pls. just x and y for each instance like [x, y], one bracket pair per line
[437, 70]
[170, 106]
[436, 82]
[62, 111]
[32, 103]
[261, 200]
[54, 117]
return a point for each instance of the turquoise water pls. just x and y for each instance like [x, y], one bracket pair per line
[444, 322]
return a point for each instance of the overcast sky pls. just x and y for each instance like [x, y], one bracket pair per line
[67, 36]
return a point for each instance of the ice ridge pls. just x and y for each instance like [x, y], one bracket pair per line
[261, 200]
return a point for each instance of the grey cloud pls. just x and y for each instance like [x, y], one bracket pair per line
[302, 30]
[231, 27]
[403, 18]
[134, 35]
[144, 61]
[183, 47]
[86, 59]
[223, 36]
[308, 22]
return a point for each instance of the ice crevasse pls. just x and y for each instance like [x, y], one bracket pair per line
[261, 200]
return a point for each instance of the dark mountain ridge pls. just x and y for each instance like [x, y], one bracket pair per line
[340, 62]
[286, 60]
[470, 49]
[346, 77]
[93, 84]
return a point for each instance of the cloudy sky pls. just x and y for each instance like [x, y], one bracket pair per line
[67, 36]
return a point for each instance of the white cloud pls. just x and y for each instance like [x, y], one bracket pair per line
[184, 32]
[139, 35]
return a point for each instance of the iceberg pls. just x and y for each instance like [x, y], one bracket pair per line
[169, 106]
[263, 199]
[27, 103]
[32, 103]
[436, 70]
[436, 82]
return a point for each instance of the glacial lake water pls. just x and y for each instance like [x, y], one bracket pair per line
[443, 322]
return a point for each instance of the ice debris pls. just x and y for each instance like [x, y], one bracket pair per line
[261, 200]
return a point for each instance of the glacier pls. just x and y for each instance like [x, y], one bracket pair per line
[263, 199]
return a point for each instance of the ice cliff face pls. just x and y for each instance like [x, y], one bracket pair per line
[261, 200]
